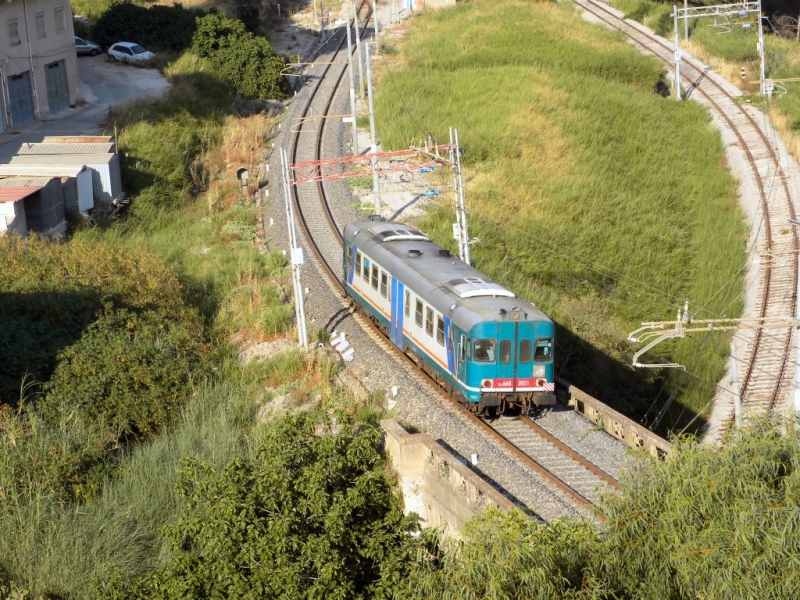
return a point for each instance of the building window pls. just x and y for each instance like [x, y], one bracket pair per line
[429, 321]
[41, 30]
[13, 33]
[418, 314]
[58, 18]
[440, 330]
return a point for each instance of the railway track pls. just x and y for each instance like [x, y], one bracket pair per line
[768, 356]
[558, 465]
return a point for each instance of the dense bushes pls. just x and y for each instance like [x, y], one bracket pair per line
[245, 61]
[50, 293]
[102, 350]
[310, 514]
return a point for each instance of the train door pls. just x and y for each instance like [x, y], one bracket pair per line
[450, 346]
[398, 294]
[507, 341]
[464, 346]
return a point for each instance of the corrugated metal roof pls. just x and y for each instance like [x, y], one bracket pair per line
[13, 194]
[77, 139]
[63, 159]
[8, 182]
[43, 170]
[58, 149]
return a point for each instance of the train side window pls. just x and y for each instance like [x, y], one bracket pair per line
[429, 321]
[366, 269]
[505, 351]
[484, 350]
[358, 264]
[374, 276]
[463, 348]
[418, 314]
[440, 330]
[349, 256]
[384, 284]
[525, 351]
[544, 349]
[408, 304]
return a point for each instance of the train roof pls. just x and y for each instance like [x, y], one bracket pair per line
[451, 286]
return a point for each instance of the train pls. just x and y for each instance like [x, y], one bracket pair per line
[489, 349]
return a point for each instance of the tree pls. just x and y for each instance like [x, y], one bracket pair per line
[245, 61]
[710, 522]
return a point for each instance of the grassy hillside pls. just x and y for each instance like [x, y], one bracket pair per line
[597, 199]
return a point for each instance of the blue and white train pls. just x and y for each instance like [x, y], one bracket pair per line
[489, 349]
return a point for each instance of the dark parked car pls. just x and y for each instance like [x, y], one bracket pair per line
[86, 47]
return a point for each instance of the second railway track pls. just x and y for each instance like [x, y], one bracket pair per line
[768, 356]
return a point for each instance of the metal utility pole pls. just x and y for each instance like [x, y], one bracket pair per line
[358, 52]
[374, 150]
[686, 21]
[677, 54]
[763, 85]
[737, 394]
[741, 9]
[375, 17]
[296, 253]
[461, 233]
[352, 85]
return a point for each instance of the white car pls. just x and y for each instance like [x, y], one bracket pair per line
[129, 52]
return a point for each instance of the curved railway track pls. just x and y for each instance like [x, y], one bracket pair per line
[572, 477]
[767, 380]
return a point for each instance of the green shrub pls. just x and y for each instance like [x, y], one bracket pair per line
[129, 372]
[245, 61]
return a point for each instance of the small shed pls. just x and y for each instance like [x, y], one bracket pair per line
[39, 205]
[77, 181]
[106, 178]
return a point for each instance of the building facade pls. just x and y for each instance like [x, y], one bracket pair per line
[38, 63]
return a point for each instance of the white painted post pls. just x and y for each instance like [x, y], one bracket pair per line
[374, 148]
[352, 84]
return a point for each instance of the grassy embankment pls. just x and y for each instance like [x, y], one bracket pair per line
[57, 537]
[597, 199]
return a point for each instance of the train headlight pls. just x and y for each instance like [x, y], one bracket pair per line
[487, 383]
[539, 371]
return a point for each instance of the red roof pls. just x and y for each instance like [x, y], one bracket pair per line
[13, 194]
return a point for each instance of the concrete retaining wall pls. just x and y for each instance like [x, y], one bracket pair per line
[436, 485]
[613, 422]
